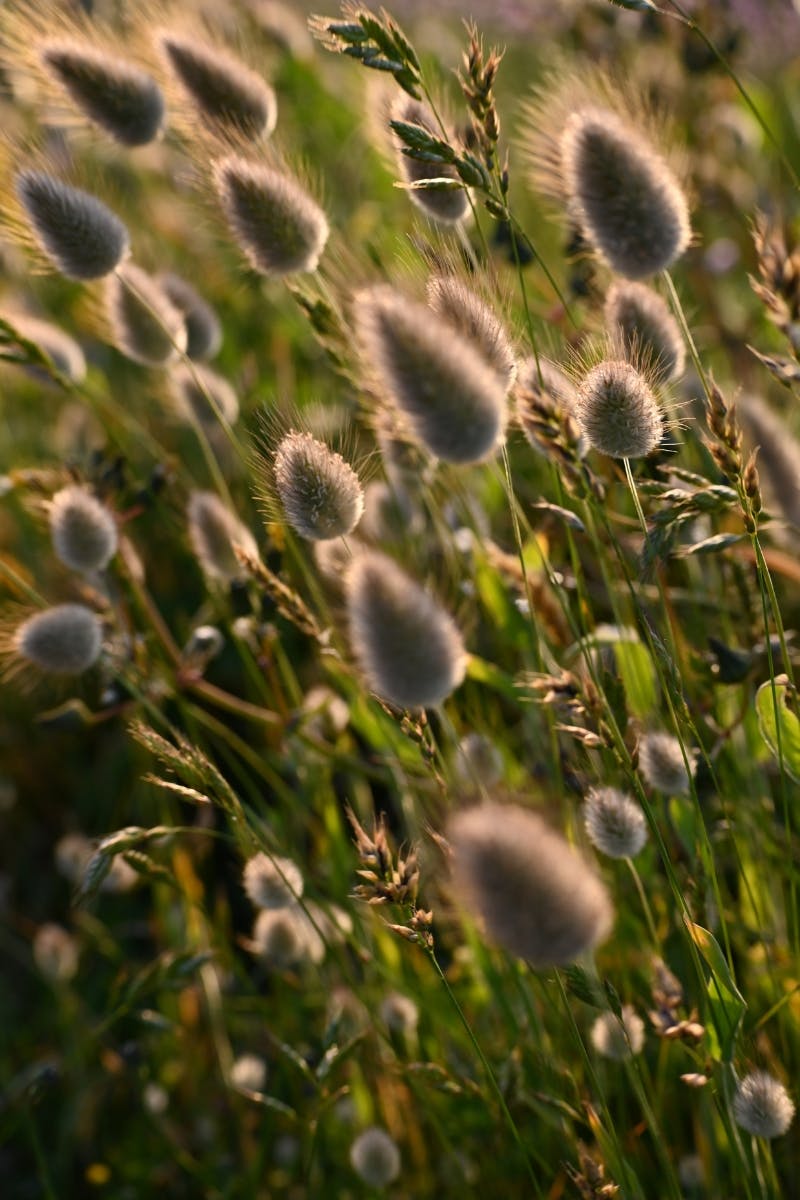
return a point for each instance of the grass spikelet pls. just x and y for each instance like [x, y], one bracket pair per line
[546, 402]
[321, 494]
[145, 325]
[446, 207]
[203, 329]
[762, 1105]
[641, 321]
[375, 1158]
[661, 763]
[191, 387]
[83, 530]
[62, 350]
[618, 412]
[63, 640]
[615, 823]
[618, 1038]
[272, 882]
[536, 897]
[440, 382]
[227, 96]
[408, 647]
[213, 532]
[278, 226]
[80, 236]
[452, 299]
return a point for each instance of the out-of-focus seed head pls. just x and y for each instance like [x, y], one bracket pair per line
[249, 1073]
[477, 763]
[122, 99]
[146, 325]
[278, 226]
[778, 455]
[375, 1158]
[399, 1013]
[447, 207]
[227, 96]
[441, 383]
[213, 532]
[285, 937]
[55, 952]
[661, 763]
[199, 392]
[408, 647]
[762, 1105]
[83, 530]
[77, 232]
[641, 322]
[614, 822]
[321, 494]
[272, 882]
[452, 299]
[618, 1039]
[75, 851]
[63, 351]
[203, 329]
[63, 640]
[536, 897]
[618, 412]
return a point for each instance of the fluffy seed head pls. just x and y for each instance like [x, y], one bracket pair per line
[78, 233]
[477, 763]
[375, 1158]
[408, 647]
[280, 229]
[55, 952]
[447, 207]
[320, 493]
[63, 640]
[624, 196]
[618, 1039]
[661, 763]
[641, 321]
[272, 882]
[119, 97]
[399, 1013]
[213, 532]
[146, 326]
[83, 530]
[467, 313]
[537, 897]
[284, 937]
[778, 455]
[617, 411]
[191, 388]
[762, 1105]
[249, 1072]
[75, 851]
[64, 352]
[614, 822]
[439, 380]
[203, 330]
[226, 94]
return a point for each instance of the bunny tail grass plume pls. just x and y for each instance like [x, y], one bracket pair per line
[80, 236]
[778, 455]
[213, 532]
[83, 530]
[123, 100]
[62, 350]
[195, 387]
[762, 1105]
[408, 647]
[661, 763]
[440, 382]
[203, 330]
[375, 1158]
[64, 640]
[249, 1073]
[615, 823]
[227, 96]
[617, 1038]
[280, 229]
[617, 411]
[321, 494]
[449, 206]
[638, 318]
[145, 325]
[474, 319]
[272, 882]
[536, 897]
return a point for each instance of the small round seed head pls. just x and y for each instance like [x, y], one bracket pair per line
[249, 1072]
[197, 392]
[83, 530]
[63, 351]
[280, 229]
[272, 882]
[320, 493]
[81, 236]
[408, 647]
[213, 532]
[203, 330]
[226, 94]
[442, 384]
[467, 313]
[279, 937]
[618, 412]
[55, 952]
[625, 197]
[536, 897]
[762, 1105]
[618, 1039]
[63, 640]
[122, 99]
[447, 207]
[638, 317]
[146, 326]
[399, 1013]
[477, 763]
[614, 822]
[375, 1158]
[661, 763]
